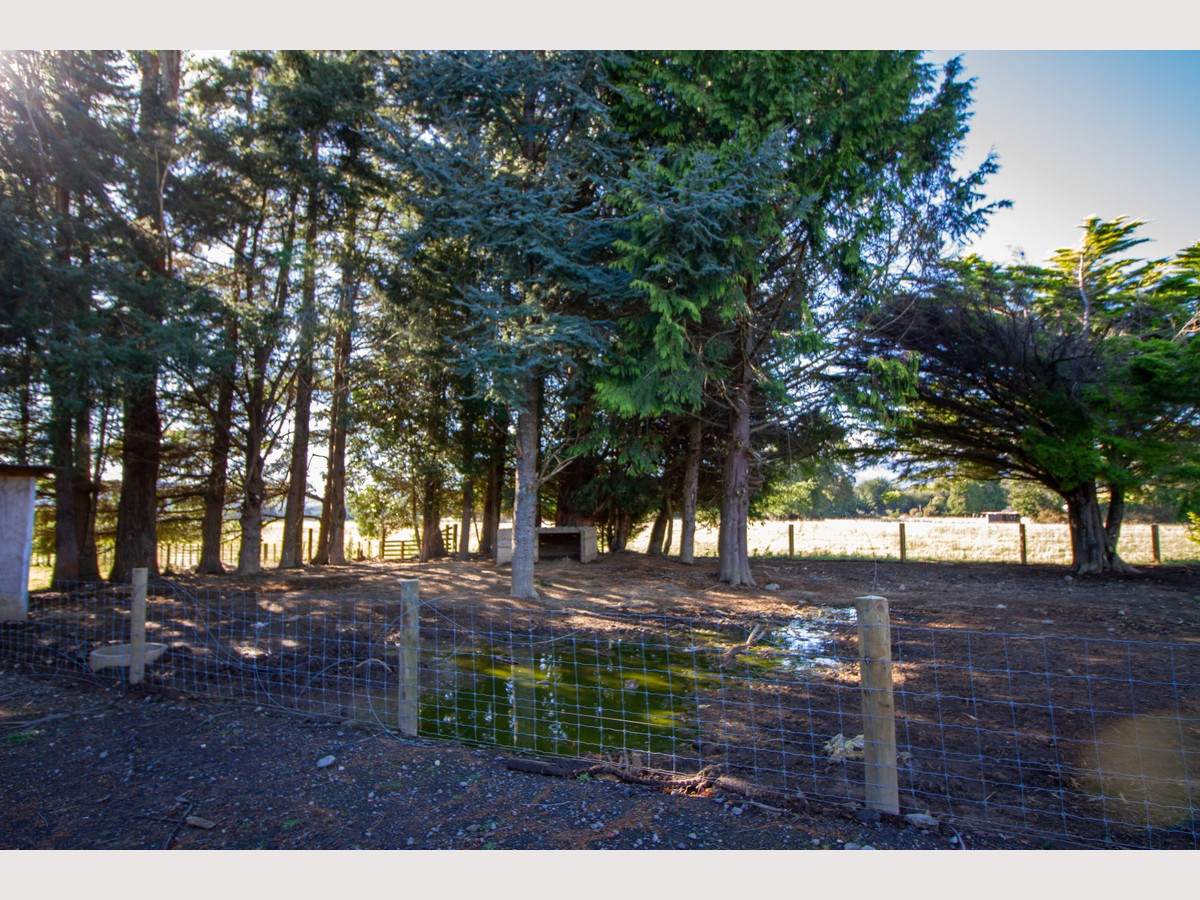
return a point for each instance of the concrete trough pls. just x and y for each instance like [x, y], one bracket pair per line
[113, 656]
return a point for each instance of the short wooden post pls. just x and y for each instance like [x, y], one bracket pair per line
[1024, 545]
[310, 553]
[791, 540]
[137, 628]
[410, 657]
[903, 544]
[1156, 544]
[878, 706]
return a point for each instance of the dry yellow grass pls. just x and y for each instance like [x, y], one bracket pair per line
[941, 539]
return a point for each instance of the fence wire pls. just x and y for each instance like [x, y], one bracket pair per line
[1093, 742]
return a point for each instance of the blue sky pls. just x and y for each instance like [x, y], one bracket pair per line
[1081, 133]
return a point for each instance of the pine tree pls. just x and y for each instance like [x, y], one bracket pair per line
[798, 183]
[509, 154]
[1080, 377]
[63, 127]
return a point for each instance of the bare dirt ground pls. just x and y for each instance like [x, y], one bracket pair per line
[88, 766]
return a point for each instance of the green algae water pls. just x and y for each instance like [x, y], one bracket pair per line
[596, 697]
[569, 700]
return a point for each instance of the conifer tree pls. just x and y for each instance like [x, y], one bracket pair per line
[63, 133]
[509, 154]
[799, 182]
[1081, 377]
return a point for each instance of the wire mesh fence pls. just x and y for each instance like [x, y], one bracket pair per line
[1093, 742]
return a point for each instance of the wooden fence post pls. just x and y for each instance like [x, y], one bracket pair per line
[903, 544]
[1156, 544]
[791, 540]
[310, 553]
[410, 657]
[878, 706]
[137, 628]
[1024, 545]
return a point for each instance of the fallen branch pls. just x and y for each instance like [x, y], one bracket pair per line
[535, 767]
[729, 655]
[667, 781]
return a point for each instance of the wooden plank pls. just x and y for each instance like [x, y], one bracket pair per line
[878, 705]
[410, 657]
[137, 628]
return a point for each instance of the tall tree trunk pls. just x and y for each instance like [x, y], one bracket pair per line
[468, 513]
[291, 554]
[88, 554]
[250, 521]
[622, 529]
[211, 527]
[62, 457]
[254, 482]
[525, 496]
[734, 563]
[415, 511]
[691, 488]
[63, 398]
[472, 411]
[432, 544]
[1112, 529]
[494, 489]
[137, 508]
[331, 540]
[658, 530]
[539, 420]
[1089, 541]
[25, 382]
[86, 495]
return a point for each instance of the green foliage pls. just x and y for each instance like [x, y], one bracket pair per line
[973, 498]
[508, 156]
[653, 237]
[1077, 376]
[1035, 502]
[815, 488]
[871, 495]
[378, 509]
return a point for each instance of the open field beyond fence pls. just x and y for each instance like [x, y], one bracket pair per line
[1093, 741]
[941, 540]
[933, 540]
